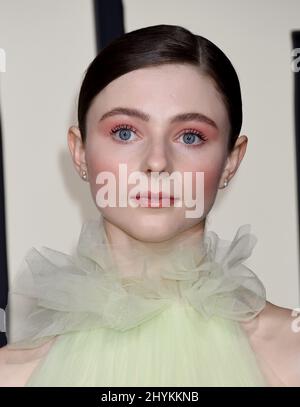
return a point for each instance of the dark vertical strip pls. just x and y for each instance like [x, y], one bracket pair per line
[3, 254]
[296, 44]
[109, 21]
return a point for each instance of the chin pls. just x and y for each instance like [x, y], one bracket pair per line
[152, 229]
[151, 237]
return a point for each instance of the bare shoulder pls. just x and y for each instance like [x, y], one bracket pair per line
[17, 365]
[272, 321]
[275, 337]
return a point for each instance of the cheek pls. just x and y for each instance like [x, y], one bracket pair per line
[98, 160]
[102, 157]
[212, 168]
[211, 178]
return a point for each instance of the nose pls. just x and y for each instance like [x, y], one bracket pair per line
[157, 158]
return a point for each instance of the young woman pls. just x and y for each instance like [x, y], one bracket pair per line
[152, 297]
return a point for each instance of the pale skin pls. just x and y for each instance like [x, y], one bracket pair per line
[157, 144]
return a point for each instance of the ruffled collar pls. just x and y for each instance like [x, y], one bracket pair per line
[87, 290]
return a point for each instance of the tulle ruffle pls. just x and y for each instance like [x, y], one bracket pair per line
[87, 290]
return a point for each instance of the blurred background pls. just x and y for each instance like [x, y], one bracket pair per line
[47, 48]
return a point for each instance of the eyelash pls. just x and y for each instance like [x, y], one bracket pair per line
[114, 130]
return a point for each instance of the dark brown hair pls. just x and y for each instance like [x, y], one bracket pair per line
[158, 45]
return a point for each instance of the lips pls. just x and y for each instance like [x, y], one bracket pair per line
[155, 199]
[156, 196]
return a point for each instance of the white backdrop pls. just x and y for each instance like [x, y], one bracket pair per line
[49, 45]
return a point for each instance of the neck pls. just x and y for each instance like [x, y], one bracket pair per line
[130, 253]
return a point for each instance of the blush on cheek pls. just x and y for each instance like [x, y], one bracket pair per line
[104, 164]
[209, 189]
[212, 180]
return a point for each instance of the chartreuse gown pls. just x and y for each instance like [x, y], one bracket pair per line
[159, 315]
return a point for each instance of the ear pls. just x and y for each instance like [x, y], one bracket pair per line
[234, 159]
[77, 149]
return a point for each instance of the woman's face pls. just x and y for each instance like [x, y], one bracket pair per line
[153, 143]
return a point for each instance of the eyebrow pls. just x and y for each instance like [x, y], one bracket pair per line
[182, 117]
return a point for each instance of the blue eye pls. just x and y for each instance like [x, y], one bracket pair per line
[189, 137]
[122, 132]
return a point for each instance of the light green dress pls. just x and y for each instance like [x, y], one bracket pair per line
[157, 316]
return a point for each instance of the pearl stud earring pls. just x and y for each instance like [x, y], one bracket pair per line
[84, 175]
